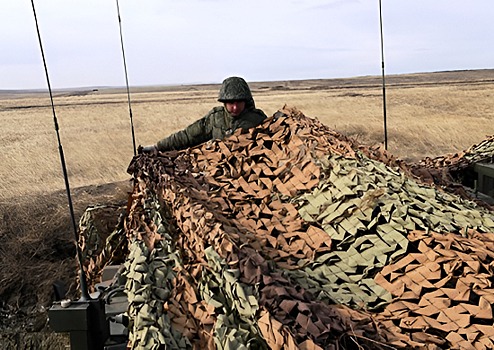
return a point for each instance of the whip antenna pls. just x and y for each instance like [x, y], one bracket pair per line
[126, 79]
[84, 292]
[384, 81]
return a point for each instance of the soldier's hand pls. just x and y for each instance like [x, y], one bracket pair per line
[148, 149]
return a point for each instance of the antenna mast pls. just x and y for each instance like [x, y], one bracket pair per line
[383, 78]
[82, 277]
[126, 80]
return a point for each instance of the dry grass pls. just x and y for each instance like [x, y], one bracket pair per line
[428, 115]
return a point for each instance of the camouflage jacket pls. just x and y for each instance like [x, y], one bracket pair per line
[217, 124]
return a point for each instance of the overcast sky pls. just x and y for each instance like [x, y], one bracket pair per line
[204, 41]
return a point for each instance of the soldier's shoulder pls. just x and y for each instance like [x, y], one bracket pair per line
[259, 112]
[214, 113]
[217, 109]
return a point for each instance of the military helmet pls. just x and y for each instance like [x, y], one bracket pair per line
[234, 89]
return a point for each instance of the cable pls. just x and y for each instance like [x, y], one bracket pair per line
[126, 80]
[383, 79]
[84, 291]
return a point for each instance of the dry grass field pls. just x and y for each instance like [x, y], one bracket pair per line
[428, 115]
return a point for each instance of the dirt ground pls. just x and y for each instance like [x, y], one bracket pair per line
[38, 249]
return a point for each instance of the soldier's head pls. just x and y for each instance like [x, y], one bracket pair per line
[235, 94]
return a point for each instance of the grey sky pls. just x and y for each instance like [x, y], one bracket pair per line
[204, 41]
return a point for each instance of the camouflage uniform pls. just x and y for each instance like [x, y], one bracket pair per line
[218, 123]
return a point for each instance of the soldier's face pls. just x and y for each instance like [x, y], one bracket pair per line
[235, 107]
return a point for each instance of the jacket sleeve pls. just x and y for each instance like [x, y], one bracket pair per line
[193, 135]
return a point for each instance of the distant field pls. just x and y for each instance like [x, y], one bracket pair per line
[428, 115]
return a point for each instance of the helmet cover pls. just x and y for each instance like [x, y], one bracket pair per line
[234, 89]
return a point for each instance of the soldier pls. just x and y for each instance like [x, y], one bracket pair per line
[238, 111]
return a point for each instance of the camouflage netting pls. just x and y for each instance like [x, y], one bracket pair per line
[482, 152]
[101, 241]
[453, 170]
[291, 236]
